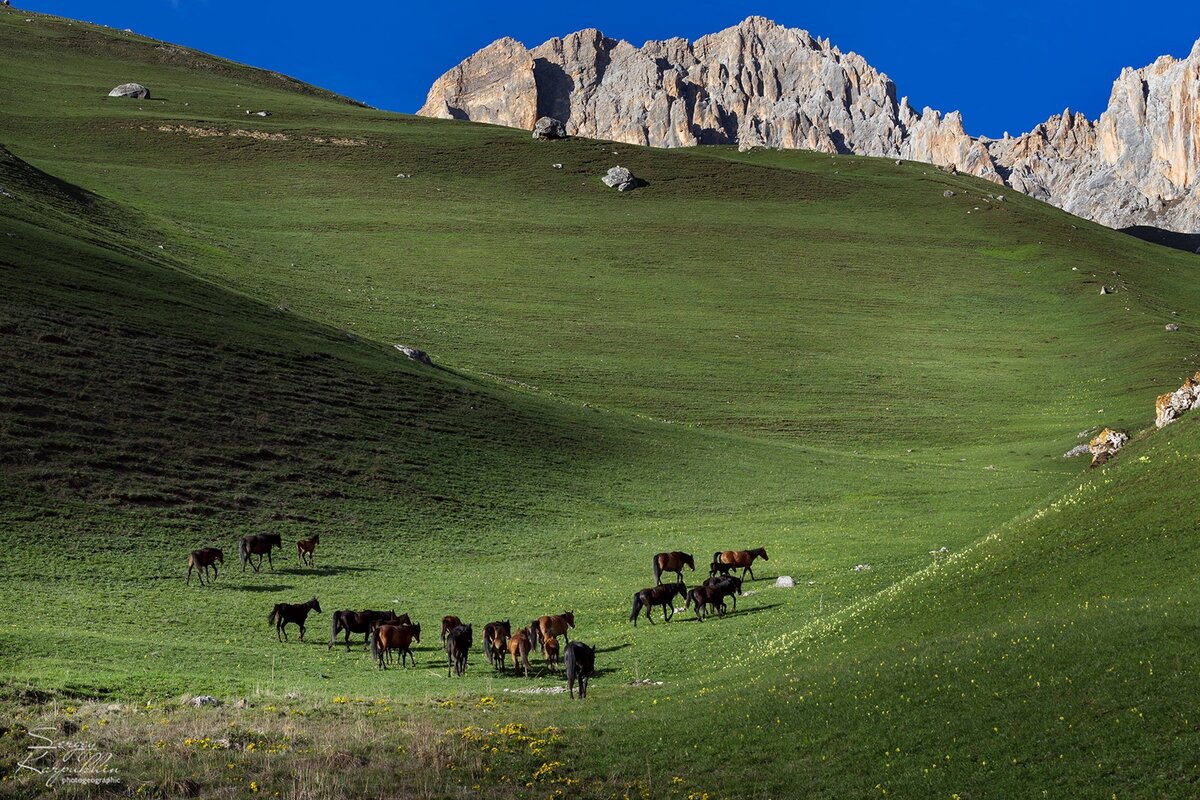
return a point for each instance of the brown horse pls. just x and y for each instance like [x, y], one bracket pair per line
[674, 561]
[551, 648]
[449, 623]
[361, 622]
[662, 595]
[258, 545]
[549, 625]
[519, 646]
[200, 560]
[306, 548]
[291, 613]
[387, 638]
[703, 596]
[495, 642]
[739, 558]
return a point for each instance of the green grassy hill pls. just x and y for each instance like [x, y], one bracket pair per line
[823, 356]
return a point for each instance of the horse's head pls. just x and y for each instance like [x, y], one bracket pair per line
[681, 589]
[506, 626]
[316, 606]
[219, 555]
[691, 562]
[762, 551]
[416, 633]
[570, 618]
[275, 540]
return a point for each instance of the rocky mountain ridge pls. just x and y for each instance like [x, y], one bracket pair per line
[759, 84]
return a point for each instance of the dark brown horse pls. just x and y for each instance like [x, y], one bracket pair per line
[730, 586]
[674, 561]
[705, 596]
[581, 665]
[739, 558]
[307, 548]
[200, 560]
[551, 649]
[449, 623]
[551, 625]
[519, 645]
[361, 622]
[495, 642]
[661, 595]
[259, 544]
[387, 638]
[285, 614]
[458, 647]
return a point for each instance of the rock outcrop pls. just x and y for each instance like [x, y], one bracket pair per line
[620, 179]
[132, 90]
[759, 84]
[1105, 445]
[549, 128]
[1168, 407]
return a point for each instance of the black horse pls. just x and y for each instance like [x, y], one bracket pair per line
[295, 613]
[581, 665]
[729, 586]
[360, 622]
[458, 646]
[723, 570]
[259, 544]
[661, 595]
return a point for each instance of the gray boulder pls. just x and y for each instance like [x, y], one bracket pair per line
[549, 128]
[132, 90]
[1172, 326]
[947, 193]
[205, 700]
[1078, 450]
[413, 353]
[621, 179]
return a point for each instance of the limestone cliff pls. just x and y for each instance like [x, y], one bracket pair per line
[759, 84]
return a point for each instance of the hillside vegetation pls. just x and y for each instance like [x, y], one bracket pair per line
[823, 356]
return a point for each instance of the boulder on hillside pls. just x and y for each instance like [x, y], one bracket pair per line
[205, 700]
[947, 193]
[1168, 407]
[549, 128]
[416, 355]
[132, 90]
[621, 179]
[785, 582]
[1077, 450]
[1172, 326]
[1105, 445]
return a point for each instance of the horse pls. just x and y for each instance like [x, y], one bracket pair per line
[551, 625]
[495, 642]
[740, 558]
[458, 647]
[674, 561]
[519, 646]
[200, 560]
[258, 544]
[730, 586]
[306, 548]
[723, 570]
[387, 638]
[449, 623]
[581, 665]
[551, 649]
[661, 595]
[360, 622]
[703, 596]
[295, 613]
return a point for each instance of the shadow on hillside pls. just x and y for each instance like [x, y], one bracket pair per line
[1180, 241]
[266, 587]
[613, 648]
[339, 570]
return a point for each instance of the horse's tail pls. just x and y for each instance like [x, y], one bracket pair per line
[487, 646]
[716, 558]
[657, 570]
[272, 616]
[242, 551]
[375, 645]
[637, 606]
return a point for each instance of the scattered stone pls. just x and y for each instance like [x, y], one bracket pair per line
[1172, 326]
[862, 567]
[1105, 445]
[133, 90]
[205, 700]
[1000, 198]
[258, 113]
[242, 703]
[549, 128]
[1168, 407]
[940, 552]
[404, 175]
[416, 355]
[6, 193]
[1106, 290]
[785, 582]
[947, 193]
[899, 163]
[620, 178]
[557, 166]
[1076, 451]
[540, 690]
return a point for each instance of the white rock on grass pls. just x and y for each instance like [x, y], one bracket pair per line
[620, 178]
[413, 353]
[785, 582]
[205, 700]
[133, 90]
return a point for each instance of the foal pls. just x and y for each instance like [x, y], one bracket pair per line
[306, 548]
[201, 560]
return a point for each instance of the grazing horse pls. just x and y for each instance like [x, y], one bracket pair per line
[581, 665]
[672, 562]
[551, 625]
[495, 642]
[200, 560]
[387, 638]
[720, 569]
[661, 595]
[551, 649]
[739, 558]
[306, 548]
[259, 544]
[458, 647]
[703, 596]
[449, 623]
[295, 613]
[519, 646]
[361, 622]
[730, 586]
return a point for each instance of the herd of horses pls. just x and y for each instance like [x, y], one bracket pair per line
[389, 635]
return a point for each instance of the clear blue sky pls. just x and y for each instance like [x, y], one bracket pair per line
[1005, 65]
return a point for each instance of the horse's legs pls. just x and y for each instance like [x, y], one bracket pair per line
[302, 631]
[270, 561]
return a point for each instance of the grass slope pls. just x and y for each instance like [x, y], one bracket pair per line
[197, 323]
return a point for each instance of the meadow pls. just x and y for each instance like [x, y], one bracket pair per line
[820, 355]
